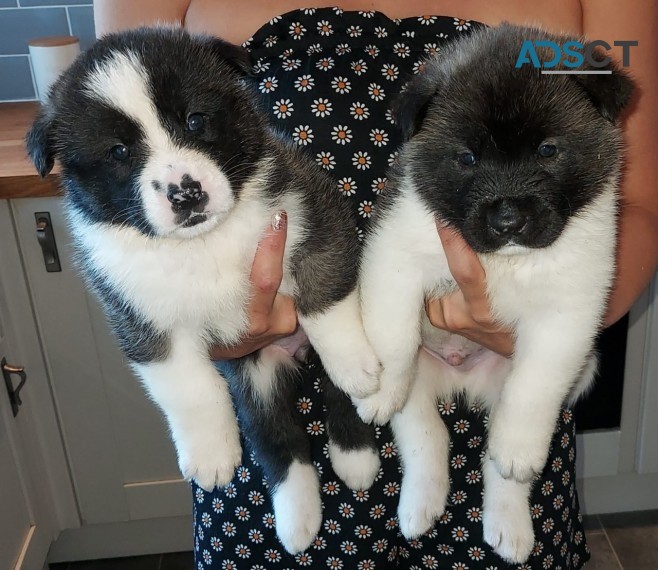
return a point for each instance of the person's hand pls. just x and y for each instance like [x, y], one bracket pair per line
[466, 311]
[271, 316]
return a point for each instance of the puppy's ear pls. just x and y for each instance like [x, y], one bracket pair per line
[40, 141]
[410, 106]
[236, 56]
[609, 93]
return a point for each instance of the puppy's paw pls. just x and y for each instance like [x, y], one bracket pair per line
[211, 457]
[518, 448]
[297, 507]
[357, 376]
[508, 530]
[422, 502]
[356, 467]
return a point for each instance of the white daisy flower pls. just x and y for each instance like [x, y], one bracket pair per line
[359, 67]
[390, 72]
[304, 83]
[325, 28]
[296, 30]
[268, 84]
[359, 111]
[361, 160]
[379, 137]
[321, 107]
[401, 50]
[303, 135]
[283, 108]
[341, 85]
[376, 92]
[326, 160]
[341, 134]
[378, 185]
[347, 186]
[461, 25]
[325, 63]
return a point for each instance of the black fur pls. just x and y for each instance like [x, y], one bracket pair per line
[473, 99]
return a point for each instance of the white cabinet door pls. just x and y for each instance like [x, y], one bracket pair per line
[122, 461]
[15, 515]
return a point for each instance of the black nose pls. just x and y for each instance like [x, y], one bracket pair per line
[504, 217]
[187, 195]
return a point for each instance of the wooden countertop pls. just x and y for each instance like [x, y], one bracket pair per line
[18, 177]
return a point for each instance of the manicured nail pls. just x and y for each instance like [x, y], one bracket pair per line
[279, 221]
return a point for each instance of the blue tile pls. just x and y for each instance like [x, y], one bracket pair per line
[19, 26]
[82, 25]
[15, 78]
[54, 2]
[8, 3]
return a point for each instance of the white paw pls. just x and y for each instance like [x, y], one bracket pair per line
[380, 407]
[518, 446]
[357, 467]
[358, 376]
[297, 507]
[210, 457]
[509, 532]
[422, 502]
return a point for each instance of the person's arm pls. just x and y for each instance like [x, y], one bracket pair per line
[637, 252]
[116, 15]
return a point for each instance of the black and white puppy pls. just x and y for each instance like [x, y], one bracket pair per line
[172, 175]
[525, 167]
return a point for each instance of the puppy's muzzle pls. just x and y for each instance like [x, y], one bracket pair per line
[188, 196]
[504, 218]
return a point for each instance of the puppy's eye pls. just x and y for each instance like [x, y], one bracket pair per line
[547, 150]
[195, 122]
[467, 158]
[120, 152]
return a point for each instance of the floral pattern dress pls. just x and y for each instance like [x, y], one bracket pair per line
[326, 78]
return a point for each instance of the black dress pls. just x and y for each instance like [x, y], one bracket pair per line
[327, 78]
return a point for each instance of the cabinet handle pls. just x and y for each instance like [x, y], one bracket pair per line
[46, 238]
[14, 393]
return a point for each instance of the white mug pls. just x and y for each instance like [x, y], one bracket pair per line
[50, 56]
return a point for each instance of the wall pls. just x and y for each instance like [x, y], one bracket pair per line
[22, 20]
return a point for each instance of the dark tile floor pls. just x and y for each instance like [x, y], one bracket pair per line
[626, 541]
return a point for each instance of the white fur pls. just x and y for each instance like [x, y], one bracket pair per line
[552, 297]
[198, 408]
[356, 467]
[339, 339]
[297, 507]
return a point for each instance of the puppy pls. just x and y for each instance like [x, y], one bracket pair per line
[525, 167]
[172, 175]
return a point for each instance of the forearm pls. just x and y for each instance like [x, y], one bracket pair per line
[637, 258]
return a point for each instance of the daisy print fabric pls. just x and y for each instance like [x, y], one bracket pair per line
[327, 78]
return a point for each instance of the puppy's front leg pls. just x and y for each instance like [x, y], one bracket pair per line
[197, 405]
[392, 298]
[550, 356]
[338, 337]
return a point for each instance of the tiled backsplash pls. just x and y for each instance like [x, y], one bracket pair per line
[23, 20]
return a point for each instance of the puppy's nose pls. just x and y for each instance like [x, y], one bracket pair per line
[186, 195]
[504, 217]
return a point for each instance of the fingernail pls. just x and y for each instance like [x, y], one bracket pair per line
[279, 220]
